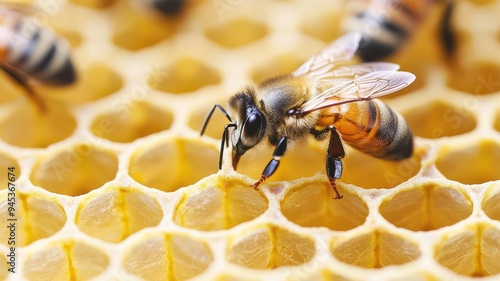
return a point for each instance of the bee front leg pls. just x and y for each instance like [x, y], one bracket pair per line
[272, 166]
[334, 156]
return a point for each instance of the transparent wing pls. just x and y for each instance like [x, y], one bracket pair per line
[369, 86]
[340, 50]
[346, 73]
[356, 70]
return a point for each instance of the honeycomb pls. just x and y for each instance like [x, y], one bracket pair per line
[113, 181]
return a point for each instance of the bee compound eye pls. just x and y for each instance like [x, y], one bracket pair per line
[253, 129]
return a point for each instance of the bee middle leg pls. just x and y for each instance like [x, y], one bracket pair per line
[334, 156]
[272, 166]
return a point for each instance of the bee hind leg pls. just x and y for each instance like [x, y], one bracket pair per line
[272, 166]
[334, 156]
[22, 81]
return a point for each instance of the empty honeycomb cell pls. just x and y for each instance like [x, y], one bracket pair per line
[322, 26]
[490, 204]
[237, 32]
[95, 82]
[218, 204]
[27, 126]
[478, 78]
[185, 75]
[117, 213]
[369, 172]
[74, 39]
[471, 251]
[167, 256]
[375, 249]
[310, 204]
[38, 216]
[496, 124]
[131, 121]
[269, 246]
[471, 163]
[281, 64]
[75, 170]
[98, 81]
[67, 259]
[490, 256]
[173, 163]
[439, 119]
[7, 161]
[427, 206]
[217, 122]
[291, 165]
[136, 29]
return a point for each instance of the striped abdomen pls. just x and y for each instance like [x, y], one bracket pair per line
[34, 51]
[385, 25]
[371, 127]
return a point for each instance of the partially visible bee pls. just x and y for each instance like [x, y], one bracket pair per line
[446, 32]
[324, 99]
[386, 25]
[167, 7]
[31, 52]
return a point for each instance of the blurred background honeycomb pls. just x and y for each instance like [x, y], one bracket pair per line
[115, 183]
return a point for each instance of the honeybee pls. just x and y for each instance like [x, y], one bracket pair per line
[385, 24]
[326, 99]
[32, 52]
[446, 32]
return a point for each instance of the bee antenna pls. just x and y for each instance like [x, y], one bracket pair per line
[225, 137]
[204, 126]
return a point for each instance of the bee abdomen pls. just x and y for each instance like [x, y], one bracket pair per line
[37, 52]
[376, 47]
[375, 129]
[394, 135]
[385, 25]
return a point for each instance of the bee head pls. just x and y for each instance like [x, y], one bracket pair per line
[250, 124]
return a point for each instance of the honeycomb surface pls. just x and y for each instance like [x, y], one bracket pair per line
[113, 181]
